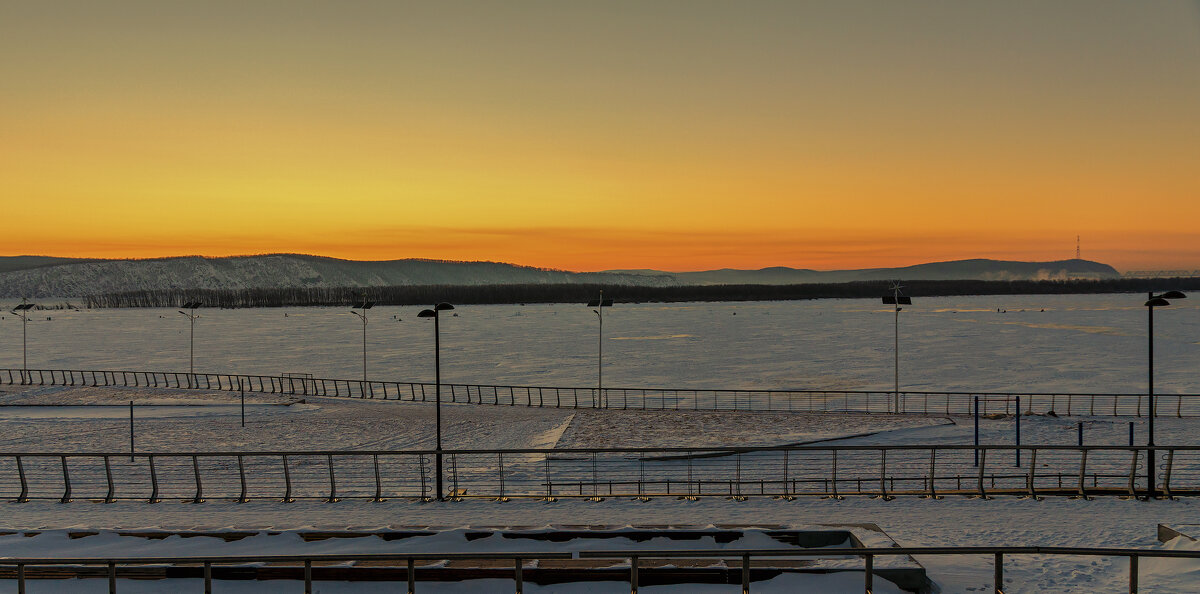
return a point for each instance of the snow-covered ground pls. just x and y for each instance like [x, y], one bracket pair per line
[1078, 343]
[341, 423]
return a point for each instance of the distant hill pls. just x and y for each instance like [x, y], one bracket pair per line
[39, 276]
[274, 271]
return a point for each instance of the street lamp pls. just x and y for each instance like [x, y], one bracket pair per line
[600, 304]
[1152, 302]
[364, 306]
[437, 366]
[22, 311]
[897, 300]
[192, 317]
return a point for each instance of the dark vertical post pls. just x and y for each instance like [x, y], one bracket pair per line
[131, 431]
[1150, 368]
[976, 431]
[437, 365]
[1150, 400]
[1018, 450]
[1133, 574]
[242, 390]
[1130, 433]
[1079, 428]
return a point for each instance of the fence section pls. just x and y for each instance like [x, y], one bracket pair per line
[862, 401]
[629, 562]
[737, 473]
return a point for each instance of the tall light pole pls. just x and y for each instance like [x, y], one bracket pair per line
[600, 304]
[192, 317]
[1152, 302]
[22, 311]
[437, 366]
[364, 306]
[897, 300]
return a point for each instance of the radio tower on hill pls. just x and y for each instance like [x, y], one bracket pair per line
[1076, 247]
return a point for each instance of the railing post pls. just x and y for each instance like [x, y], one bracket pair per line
[242, 478]
[208, 577]
[883, 493]
[1167, 476]
[869, 574]
[378, 482]
[153, 480]
[66, 498]
[412, 577]
[20, 578]
[108, 498]
[112, 578]
[287, 482]
[517, 566]
[746, 573]
[1133, 574]
[633, 574]
[1133, 474]
[833, 477]
[982, 465]
[998, 586]
[308, 576]
[24, 496]
[1082, 471]
[933, 473]
[1030, 480]
[199, 498]
[332, 480]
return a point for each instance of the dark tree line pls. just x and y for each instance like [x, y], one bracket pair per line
[578, 293]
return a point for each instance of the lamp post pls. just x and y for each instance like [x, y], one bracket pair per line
[897, 300]
[364, 306]
[22, 311]
[1153, 301]
[192, 317]
[600, 304]
[437, 366]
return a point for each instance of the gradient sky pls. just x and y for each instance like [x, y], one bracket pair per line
[678, 135]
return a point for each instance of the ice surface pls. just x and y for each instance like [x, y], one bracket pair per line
[1082, 343]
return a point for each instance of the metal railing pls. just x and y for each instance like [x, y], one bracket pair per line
[869, 554]
[203, 565]
[598, 473]
[864, 401]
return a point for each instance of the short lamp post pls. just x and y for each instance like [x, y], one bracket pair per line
[22, 311]
[437, 366]
[896, 299]
[1152, 302]
[600, 304]
[192, 317]
[364, 306]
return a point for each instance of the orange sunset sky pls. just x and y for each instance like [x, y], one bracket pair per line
[678, 135]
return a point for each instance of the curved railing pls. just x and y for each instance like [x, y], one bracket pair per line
[600, 473]
[864, 401]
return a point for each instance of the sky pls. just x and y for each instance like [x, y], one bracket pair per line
[677, 135]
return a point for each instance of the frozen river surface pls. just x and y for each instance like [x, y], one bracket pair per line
[1081, 343]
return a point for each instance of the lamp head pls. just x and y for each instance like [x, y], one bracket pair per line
[1157, 302]
[1173, 295]
[443, 306]
[427, 313]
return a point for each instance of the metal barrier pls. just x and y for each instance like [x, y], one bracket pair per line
[596, 474]
[869, 554]
[204, 564]
[864, 401]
